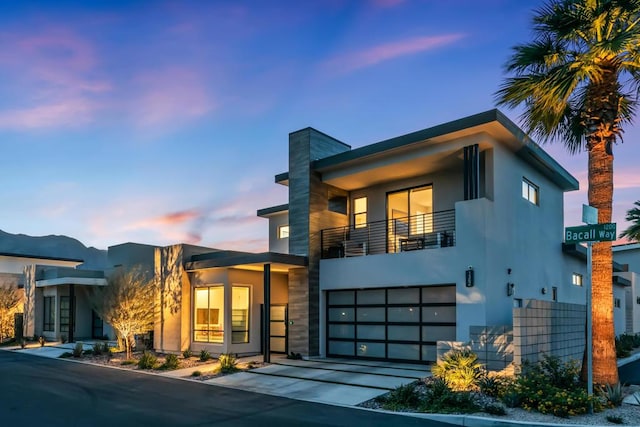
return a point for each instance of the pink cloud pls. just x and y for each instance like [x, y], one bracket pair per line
[65, 112]
[55, 70]
[170, 96]
[388, 51]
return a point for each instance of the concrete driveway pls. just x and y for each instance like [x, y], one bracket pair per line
[334, 381]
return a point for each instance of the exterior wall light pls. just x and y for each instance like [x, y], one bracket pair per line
[468, 277]
[543, 291]
[510, 288]
[637, 300]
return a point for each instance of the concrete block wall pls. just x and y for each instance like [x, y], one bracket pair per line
[493, 345]
[548, 328]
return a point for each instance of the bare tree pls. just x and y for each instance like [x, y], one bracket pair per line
[9, 303]
[127, 303]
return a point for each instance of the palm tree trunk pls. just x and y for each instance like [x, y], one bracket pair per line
[600, 194]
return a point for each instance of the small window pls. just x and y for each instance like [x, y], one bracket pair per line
[530, 191]
[577, 279]
[283, 232]
[554, 293]
[517, 302]
[360, 212]
[616, 302]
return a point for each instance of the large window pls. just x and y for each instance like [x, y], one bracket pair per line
[208, 315]
[49, 314]
[360, 212]
[530, 191]
[240, 314]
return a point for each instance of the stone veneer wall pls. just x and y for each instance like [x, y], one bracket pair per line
[551, 328]
[308, 215]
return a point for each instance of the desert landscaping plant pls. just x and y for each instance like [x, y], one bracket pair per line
[614, 394]
[127, 304]
[187, 353]
[171, 362]
[228, 363]
[205, 355]
[460, 369]
[77, 350]
[147, 360]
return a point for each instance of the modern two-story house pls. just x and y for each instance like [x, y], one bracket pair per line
[426, 237]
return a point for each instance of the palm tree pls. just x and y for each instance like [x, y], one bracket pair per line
[578, 82]
[633, 216]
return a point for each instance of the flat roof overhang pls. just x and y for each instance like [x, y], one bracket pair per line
[280, 263]
[428, 150]
[83, 281]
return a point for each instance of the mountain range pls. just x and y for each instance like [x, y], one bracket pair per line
[53, 246]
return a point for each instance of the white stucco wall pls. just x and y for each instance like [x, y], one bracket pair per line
[495, 236]
[275, 221]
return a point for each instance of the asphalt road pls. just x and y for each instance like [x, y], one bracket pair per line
[630, 373]
[52, 392]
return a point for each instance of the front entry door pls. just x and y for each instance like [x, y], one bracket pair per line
[278, 327]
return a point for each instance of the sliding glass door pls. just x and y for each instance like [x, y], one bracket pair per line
[409, 215]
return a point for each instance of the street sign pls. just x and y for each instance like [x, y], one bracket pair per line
[590, 233]
[589, 214]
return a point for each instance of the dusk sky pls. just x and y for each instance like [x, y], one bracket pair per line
[164, 122]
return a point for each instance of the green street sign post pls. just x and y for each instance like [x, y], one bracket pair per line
[590, 233]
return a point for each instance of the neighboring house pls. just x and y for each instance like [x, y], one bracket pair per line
[12, 271]
[57, 293]
[627, 299]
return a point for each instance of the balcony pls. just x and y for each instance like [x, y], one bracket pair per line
[418, 232]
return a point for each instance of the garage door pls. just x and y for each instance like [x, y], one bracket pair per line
[399, 324]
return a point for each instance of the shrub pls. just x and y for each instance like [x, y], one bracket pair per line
[63, 339]
[227, 363]
[494, 385]
[460, 369]
[441, 399]
[87, 352]
[187, 353]
[128, 362]
[511, 397]
[171, 362]
[196, 373]
[294, 356]
[552, 387]
[622, 348]
[402, 397]
[77, 350]
[205, 355]
[65, 355]
[41, 341]
[614, 395]
[98, 349]
[23, 343]
[147, 360]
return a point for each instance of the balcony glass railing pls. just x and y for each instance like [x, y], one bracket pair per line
[425, 231]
